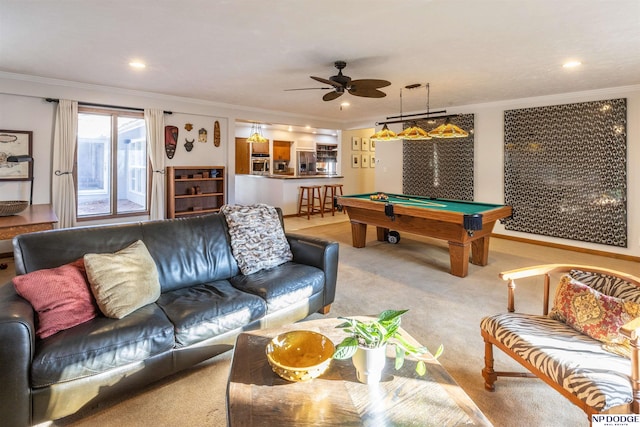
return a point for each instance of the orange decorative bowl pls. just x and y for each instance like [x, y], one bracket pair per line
[300, 355]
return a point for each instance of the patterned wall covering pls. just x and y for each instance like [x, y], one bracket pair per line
[440, 168]
[565, 171]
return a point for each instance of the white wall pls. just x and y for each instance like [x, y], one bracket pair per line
[489, 159]
[357, 180]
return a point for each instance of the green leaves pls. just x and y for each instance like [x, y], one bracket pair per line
[377, 333]
[346, 348]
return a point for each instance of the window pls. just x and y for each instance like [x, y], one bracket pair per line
[112, 172]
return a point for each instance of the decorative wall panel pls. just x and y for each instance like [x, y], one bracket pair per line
[440, 168]
[565, 172]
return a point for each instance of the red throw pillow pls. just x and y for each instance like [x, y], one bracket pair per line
[61, 297]
[592, 313]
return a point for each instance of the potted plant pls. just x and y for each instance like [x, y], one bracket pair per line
[367, 344]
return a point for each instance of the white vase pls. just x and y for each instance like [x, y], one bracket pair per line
[369, 364]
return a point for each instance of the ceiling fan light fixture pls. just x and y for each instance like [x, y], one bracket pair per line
[384, 134]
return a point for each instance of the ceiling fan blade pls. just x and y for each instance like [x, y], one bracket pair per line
[331, 96]
[370, 83]
[366, 92]
[311, 88]
[327, 81]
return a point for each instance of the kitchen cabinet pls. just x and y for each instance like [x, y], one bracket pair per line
[260, 148]
[194, 190]
[243, 156]
[282, 151]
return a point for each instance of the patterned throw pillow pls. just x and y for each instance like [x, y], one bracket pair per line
[594, 314]
[61, 297]
[258, 241]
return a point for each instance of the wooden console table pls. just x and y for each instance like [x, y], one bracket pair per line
[34, 218]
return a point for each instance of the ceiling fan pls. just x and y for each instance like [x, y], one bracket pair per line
[367, 88]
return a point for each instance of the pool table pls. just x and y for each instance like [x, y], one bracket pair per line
[465, 225]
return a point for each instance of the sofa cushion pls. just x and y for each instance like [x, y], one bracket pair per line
[257, 238]
[593, 313]
[60, 296]
[283, 285]
[573, 360]
[190, 251]
[205, 311]
[101, 344]
[124, 281]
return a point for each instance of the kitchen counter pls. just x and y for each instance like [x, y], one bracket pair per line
[278, 190]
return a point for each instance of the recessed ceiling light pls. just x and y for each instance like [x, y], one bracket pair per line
[571, 64]
[345, 104]
[137, 64]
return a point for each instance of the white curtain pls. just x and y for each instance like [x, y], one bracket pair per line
[154, 120]
[64, 148]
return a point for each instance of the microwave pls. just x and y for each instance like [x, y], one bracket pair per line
[260, 166]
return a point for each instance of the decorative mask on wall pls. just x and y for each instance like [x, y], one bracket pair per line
[188, 145]
[170, 140]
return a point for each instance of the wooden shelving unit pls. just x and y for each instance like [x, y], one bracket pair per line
[194, 190]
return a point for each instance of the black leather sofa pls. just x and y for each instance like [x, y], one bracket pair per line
[204, 304]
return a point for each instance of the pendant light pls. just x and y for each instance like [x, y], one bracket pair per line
[385, 134]
[414, 133]
[256, 134]
[448, 130]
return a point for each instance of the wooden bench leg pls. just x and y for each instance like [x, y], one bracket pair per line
[488, 373]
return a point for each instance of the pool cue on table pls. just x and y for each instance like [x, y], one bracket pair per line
[426, 202]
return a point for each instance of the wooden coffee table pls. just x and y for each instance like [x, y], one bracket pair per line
[256, 396]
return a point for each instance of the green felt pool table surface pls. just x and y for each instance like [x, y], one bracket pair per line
[461, 206]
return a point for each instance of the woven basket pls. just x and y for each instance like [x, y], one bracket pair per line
[12, 207]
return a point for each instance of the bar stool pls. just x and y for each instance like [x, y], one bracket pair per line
[331, 191]
[310, 194]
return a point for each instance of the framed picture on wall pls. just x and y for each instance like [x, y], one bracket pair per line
[364, 162]
[372, 145]
[16, 143]
[372, 160]
[355, 160]
[365, 144]
[355, 143]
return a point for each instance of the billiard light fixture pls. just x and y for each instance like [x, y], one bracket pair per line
[446, 130]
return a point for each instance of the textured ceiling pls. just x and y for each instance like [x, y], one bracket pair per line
[247, 52]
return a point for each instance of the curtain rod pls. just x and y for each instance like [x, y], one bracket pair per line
[418, 118]
[88, 104]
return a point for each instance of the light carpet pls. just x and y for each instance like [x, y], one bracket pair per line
[442, 309]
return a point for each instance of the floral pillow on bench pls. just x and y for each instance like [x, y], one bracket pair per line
[594, 314]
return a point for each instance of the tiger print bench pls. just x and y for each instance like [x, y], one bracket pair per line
[586, 348]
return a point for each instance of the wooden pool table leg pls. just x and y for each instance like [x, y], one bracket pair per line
[480, 251]
[459, 258]
[358, 234]
[382, 234]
